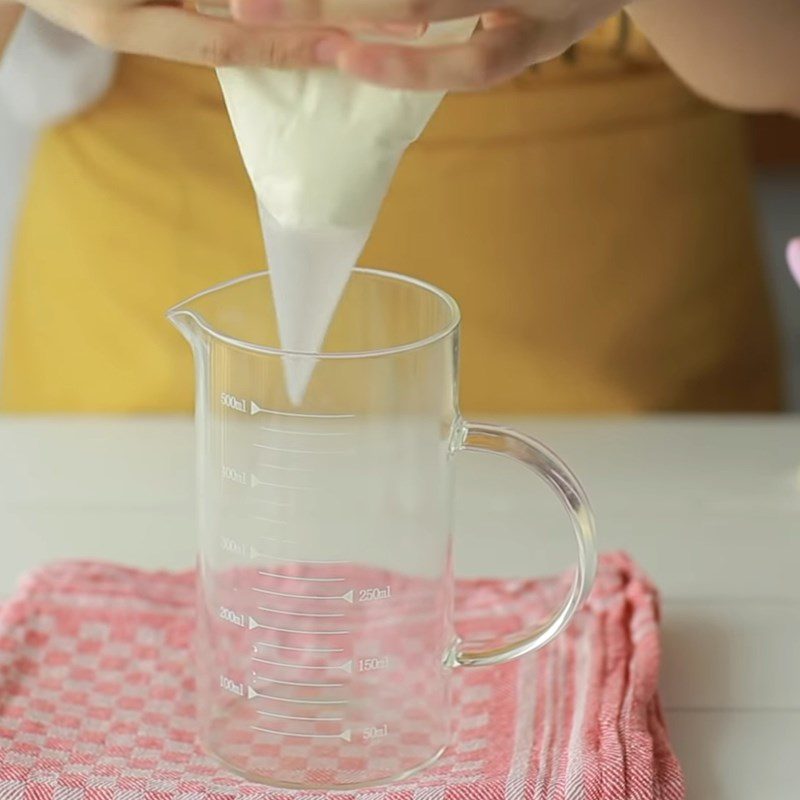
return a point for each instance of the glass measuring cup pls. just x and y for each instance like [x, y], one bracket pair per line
[325, 636]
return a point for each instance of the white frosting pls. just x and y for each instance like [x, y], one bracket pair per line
[321, 149]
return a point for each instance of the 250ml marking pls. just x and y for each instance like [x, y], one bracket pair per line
[375, 593]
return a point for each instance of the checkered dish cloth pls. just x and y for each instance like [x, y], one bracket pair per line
[97, 696]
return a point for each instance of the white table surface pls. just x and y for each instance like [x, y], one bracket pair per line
[709, 506]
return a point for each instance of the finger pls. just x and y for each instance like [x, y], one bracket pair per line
[395, 30]
[494, 54]
[336, 12]
[180, 35]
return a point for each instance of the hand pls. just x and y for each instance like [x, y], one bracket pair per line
[793, 258]
[514, 34]
[182, 34]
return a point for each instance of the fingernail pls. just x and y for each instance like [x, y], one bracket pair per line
[257, 10]
[326, 51]
[793, 257]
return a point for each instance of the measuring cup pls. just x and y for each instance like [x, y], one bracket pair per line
[326, 641]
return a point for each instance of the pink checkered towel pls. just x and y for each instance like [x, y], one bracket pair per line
[96, 694]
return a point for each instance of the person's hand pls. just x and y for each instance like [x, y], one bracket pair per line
[514, 34]
[793, 259]
[182, 34]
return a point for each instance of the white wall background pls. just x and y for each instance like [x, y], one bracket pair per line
[778, 195]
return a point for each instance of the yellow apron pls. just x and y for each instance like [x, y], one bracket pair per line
[592, 218]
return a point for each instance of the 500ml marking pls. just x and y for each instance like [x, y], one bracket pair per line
[374, 732]
[232, 546]
[374, 593]
[235, 403]
[229, 615]
[235, 475]
[229, 685]
[372, 664]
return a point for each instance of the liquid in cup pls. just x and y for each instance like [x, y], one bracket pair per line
[326, 641]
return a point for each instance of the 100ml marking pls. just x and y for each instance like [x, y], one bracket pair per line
[229, 685]
[375, 732]
[375, 593]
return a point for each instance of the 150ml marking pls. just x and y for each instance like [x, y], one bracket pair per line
[229, 615]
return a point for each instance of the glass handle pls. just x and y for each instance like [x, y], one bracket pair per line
[486, 438]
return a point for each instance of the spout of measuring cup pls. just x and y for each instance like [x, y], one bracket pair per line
[186, 321]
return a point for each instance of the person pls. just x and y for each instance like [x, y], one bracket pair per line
[591, 215]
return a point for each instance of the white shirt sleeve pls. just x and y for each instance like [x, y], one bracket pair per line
[49, 74]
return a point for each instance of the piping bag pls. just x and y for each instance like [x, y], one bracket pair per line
[321, 149]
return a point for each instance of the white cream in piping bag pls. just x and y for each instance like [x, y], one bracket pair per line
[320, 149]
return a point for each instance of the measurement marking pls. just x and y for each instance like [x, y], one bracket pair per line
[255, 409]
[300, 719]
[293, 560]
[303, 452]
[271, 502]
[296, 613]
[343, 735]
[348, 596]
[301, 649]
[292, 578]
[256, 482]
[347, 666]
[281, 467]
[273, 521]
[251, 693]
[304, 433]
[253, 624]
[299, 683]
[277, 541]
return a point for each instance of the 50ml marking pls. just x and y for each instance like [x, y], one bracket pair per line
[343, 735]
[374, 732]
[230, 685]
[232, 402]
[375, 593]
[372, 664]
[229, 615]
